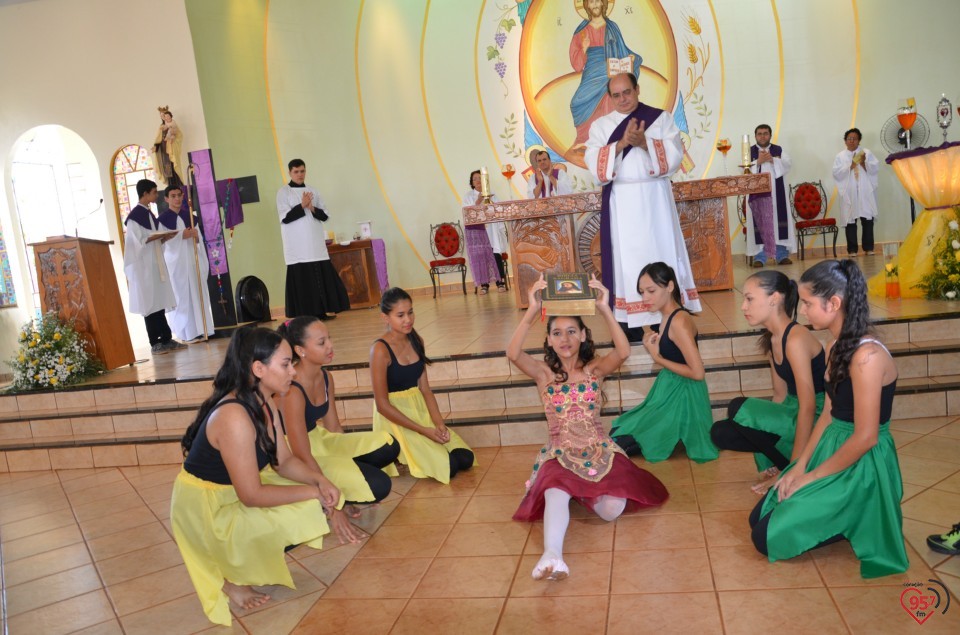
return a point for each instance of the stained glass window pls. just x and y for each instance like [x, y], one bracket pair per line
[8, 296]
[130, 164]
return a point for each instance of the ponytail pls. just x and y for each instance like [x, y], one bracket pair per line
[776, 282]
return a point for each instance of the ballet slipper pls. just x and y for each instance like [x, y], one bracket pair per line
[550, 568]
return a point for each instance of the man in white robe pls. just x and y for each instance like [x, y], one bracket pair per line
[193, 298]
[771, 233]
[148, 280]
[855, 172]
[632, 152]
[547, 179]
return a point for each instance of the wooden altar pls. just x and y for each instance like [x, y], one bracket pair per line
[562, 233]
[77, 281]
[355, 265]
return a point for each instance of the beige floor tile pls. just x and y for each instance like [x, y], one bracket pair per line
[51, 589]
[102, 493]
[405, 541]
[589, 575]
[139, 563]
[726, 529]
[727, 469]
[663, 531]
[379, 578]
[933, 506]
[464, 616]
[567, 615]
[150, 590]
[98, 508]
[725, 497]
[372, 518]
[37, 524]
[486, 539]
[682, 500]
[679, 613]
[66, 616]
[915, 533]
[304, 582]
[181, 616]
[476, 576]
[672, 472]
[938, 448]
[743, 567]
[279, 618]
[521, 461]
[586, 532]
[427, 511]
[878, 610]
[110, 627]
[99, 478]
[839, 566]
[117, 522]
[500, 483]
[801, 611]
[661, 571]
[329, 563]
[368, 616]
[925, 472]
[41, 542]
[128, 540]
[464, 484]
[490, 509]
[46, 563]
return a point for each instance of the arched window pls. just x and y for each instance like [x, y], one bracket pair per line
[8, 297]
[130, 164]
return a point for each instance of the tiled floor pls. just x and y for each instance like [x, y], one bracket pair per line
[91, 551]
[457, 324]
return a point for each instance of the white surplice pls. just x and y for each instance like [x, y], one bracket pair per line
[779, 167]
[644, 224]
[496, 232]
[186, 320]
[563, 184]
[857, 187]
[148, 280]
[304, 240]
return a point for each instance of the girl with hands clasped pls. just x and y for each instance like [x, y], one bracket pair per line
[404, 405]
[677, 408]
[360, 463]
[845, 483]
[776, 431]
[232, 514]
[579, 460]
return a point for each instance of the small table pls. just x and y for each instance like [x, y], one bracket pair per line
[362, 266]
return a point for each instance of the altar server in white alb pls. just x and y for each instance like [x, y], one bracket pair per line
[547, 179]
[313, 285]
[855, 172]
[186, 320]
[148, 280]
[632, 153]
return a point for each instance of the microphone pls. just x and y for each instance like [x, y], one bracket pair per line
[76, 228]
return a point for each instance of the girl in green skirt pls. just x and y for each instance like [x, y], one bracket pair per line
[360, 463]
[778, 429]
[677, 408]
[845, 484]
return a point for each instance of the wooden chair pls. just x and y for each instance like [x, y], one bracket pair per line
[446, 243]
[809, 203]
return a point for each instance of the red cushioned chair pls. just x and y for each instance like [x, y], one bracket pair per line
[506, 270]
[809, 203]
[446, 243]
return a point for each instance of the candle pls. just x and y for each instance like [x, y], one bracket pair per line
[484, 182]
[745, 148]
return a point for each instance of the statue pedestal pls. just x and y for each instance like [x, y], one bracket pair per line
[562, 233]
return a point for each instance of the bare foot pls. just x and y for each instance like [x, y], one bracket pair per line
[352, 511]
[550, 567]
[768, 480]
[244, 596]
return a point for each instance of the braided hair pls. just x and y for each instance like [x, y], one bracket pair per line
[844, 279]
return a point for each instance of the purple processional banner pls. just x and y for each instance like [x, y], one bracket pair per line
[209, 210]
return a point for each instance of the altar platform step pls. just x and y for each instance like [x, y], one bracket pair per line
[487, 399]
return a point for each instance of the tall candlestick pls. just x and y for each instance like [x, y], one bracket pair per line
[745, 149]
[484, 183]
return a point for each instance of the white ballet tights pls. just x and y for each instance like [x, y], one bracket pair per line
[556, 517]
[609, 508]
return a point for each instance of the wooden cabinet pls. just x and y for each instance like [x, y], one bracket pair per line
[357, 269]
[77, 280]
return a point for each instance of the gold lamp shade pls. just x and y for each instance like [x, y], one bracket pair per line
[930, 175]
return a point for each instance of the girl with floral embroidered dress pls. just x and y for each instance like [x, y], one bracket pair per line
[677, 408]
[580, 460]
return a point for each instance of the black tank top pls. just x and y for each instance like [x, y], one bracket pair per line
[818, 365]
[401, 377]
[205, 462]
[311, 413]
[841, 397]
[668, 349]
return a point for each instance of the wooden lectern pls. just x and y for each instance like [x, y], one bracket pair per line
[77, 281]
[357, 269]
[562, 233]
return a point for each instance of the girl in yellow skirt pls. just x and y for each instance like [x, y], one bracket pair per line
[776, 430]
[360, 463]
[230, 525]
[404, 404]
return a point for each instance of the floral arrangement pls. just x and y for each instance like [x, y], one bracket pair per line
[52, 355]
[944, 282]
[892, 271]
